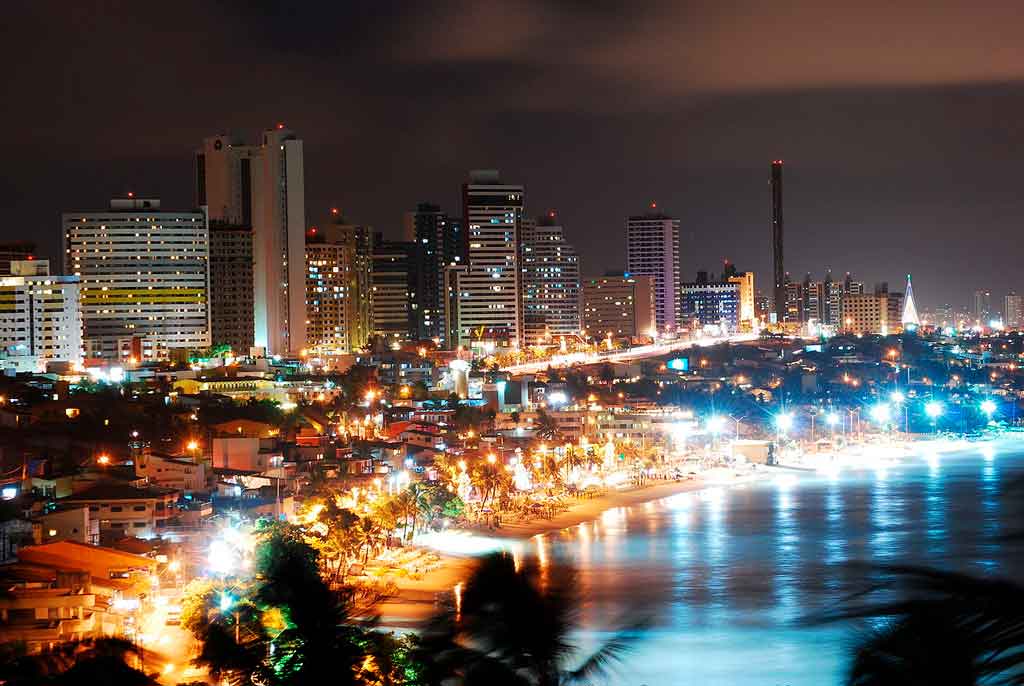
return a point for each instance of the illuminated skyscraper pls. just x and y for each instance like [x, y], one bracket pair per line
[652, 249]
[439, 241]
[488, 300]
[550, 281]
[263, 186]
[1013, 316]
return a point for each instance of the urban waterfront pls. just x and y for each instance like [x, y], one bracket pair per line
[731, 574]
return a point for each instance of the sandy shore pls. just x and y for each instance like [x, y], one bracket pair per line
[415, 601]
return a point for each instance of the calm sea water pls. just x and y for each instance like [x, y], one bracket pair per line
[728, 574]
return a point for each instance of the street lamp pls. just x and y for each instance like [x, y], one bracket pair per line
[933, 408]
[716, 424]
[988, 406]
[881, 413]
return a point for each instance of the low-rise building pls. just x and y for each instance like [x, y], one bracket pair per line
[124, 509]
[181, 473]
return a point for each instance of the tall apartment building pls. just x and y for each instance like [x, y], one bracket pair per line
[263, 186]
[339, 297]
[983, 311]
[40, 321]
[793, 311]
[652, 249]
[1013, 311]
[622, 304]
[390, 278]
[550, 280]
[489, 301]
[439, 241]
[231, 287]
[833, 301]
[144, 278]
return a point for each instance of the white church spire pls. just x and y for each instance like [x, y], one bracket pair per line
[910, 317]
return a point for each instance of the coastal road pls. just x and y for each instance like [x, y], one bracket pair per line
[637, 353]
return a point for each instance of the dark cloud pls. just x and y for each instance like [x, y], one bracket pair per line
[900, 124]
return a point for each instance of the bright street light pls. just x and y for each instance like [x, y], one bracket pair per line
[716, 424]
[988, 406]
[831, 418]
[881, 413]
[897, 397]
[784, 422]
[933, 409]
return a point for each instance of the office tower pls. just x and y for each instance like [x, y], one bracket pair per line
[489, 302]
[983, 306]
[746, 314]
[1013, 308]
[390, 281]
[339, 298]
[793, 299]
[14, 251]
[40, 321]
[778, 270]
[440, 241]
[851, 287]
[453, 273]
[550, 281]
[711, 303]
[231, 287]
[263, 186]
[814, 300]
[833, 301]
[144, 276]
[622, 304]
[872, 313]
[652, 249]
[910, 318]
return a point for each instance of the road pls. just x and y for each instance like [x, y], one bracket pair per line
[629, 355]
[168, 647]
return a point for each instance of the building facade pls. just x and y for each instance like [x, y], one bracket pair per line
[390, 280]
[622, 304]
[488, 289]
[339, 297]
[872, 313]
[40, 321]
[652, 249]
[144, 277]
[263, 186]
[1013, 311]
[550, 281]
[439, 241]
[231, 287]
[711, 303]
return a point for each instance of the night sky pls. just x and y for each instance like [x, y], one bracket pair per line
[902, 128]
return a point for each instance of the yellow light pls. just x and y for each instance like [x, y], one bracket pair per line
[491, 458]
[103, 459]
[174, 565]
[462, 465]
[192, 445]
[168, 668]
[53, 532]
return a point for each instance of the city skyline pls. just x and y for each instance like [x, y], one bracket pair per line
[883, 147]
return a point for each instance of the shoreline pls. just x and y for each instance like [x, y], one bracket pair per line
[415, 600]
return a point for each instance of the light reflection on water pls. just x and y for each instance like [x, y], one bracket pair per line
[728, 574]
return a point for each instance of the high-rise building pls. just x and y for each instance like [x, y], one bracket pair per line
[144, 277]
[263, 186]
[489, 302]
[550, 280]
[711, 303]
[40, 320]
[622, 304]
[983, 306]
[339, 296]
[851, 287]
[814, 300]
[793, 299]
[439, 241]
[14, 251]
[390, 280]
[652, 249]
[231, 287]
[1013, 308]
[746, 314]
[880, 312]
[778, 269]
[833, 302]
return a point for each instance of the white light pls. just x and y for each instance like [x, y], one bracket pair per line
[897, 397]
[988, 406]
[9, 492]
[933, 409]
[880, 413]
[832, 419]
[557, 398]
[784, 422]
[716, 424]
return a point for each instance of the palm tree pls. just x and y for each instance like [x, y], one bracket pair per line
[546, 427]
[941, 628]
[512, 629]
